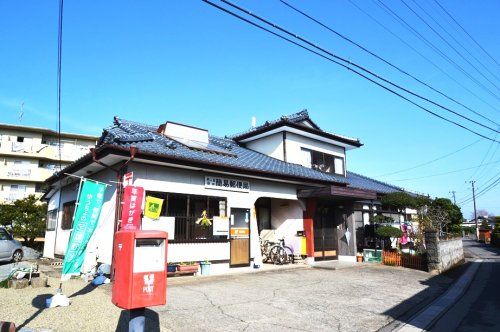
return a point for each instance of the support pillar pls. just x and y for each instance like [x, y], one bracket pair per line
[308, 221]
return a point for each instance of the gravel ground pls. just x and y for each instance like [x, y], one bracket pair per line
[90, 309]
[30, 253]
[361, 298]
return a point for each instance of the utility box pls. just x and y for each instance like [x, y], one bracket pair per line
[140, 269]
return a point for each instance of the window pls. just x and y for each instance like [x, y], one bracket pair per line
[67, 217]
[51, 219]
[20, 139]
[187, 209]
[263, 209]
[323, 162]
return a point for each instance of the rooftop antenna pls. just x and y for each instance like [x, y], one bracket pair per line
[254, 122]
[21, 112]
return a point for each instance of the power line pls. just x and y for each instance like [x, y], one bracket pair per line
[447, 43]
[431, 45]
[423, 56]
[430, 161]
[463, 29]
[456, 41]
[446, 173]
[485, 189]
[339, 58]
[383, 60]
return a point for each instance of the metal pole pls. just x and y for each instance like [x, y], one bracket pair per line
[137, 320]
[454, 198]
[475, 211]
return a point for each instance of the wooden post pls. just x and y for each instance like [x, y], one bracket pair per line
[308, 221]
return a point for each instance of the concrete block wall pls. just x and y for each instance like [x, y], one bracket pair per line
[442, 255]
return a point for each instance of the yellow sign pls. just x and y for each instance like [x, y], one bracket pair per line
[153, 207]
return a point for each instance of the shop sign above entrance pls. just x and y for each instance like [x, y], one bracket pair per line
[215, 182]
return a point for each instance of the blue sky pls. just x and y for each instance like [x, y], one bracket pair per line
[153, 61]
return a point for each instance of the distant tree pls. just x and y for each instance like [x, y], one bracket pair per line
[485, 225]
[28, 219]
[453, 211]
[381, 219]
[480, 213]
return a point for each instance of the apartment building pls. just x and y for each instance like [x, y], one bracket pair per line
[29, 155]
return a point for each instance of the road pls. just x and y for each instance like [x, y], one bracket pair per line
[479, 308]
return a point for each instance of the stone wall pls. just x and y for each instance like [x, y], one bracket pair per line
[442, 255]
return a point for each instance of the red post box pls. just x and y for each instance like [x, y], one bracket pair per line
[140, 269]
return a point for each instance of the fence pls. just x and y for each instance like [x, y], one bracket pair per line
[416, 262]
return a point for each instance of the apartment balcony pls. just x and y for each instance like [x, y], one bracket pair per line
[69, 153]
[10, 197]
[26, 174]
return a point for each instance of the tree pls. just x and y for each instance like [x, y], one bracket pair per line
[28, 217]
[388, 232]
[454, 213]
[7, 215]
[399, 200]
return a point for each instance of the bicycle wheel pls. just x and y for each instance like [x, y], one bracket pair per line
[289, 255]
[277, 255]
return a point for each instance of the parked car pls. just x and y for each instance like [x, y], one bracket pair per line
[10, 249]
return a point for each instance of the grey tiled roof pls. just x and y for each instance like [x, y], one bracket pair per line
[126, 133]
[362, 182]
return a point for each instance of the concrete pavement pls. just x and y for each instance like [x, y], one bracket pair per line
[479, 308]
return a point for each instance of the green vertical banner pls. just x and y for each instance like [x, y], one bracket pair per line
[85, 221]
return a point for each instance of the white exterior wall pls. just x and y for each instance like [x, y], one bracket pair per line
[287, 220]
[172, 180]
[271, 145]
[101, 243]
[295, 143]
[286, 213]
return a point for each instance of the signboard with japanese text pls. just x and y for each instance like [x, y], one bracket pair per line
[128, 179]
[85, 219]
[132, 208]
[216, 182]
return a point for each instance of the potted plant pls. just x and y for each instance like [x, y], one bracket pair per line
[172, 267]
[188, 267]
[205, 267]
[359, 257]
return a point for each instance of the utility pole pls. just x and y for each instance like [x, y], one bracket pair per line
[453, 192]
[475, 211]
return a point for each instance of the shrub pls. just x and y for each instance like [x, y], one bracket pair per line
[388, 232]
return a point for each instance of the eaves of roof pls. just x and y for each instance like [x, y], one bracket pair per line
[107, 149]
[278, 124]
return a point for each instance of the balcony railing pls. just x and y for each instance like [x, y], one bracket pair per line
[19, 172]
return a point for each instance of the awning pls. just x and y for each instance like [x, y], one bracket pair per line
[337, 192]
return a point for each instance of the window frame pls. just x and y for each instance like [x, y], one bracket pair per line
[49, 220]
[71, 205]
[315, 166]
[188, 217]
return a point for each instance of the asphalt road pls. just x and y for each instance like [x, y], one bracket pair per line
[479, 307]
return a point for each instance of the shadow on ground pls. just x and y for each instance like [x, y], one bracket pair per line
[152, 321]
[39, 303]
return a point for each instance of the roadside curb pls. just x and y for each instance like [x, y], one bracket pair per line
[426, 317]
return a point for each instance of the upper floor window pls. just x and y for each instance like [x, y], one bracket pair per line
[20, 139]
[323, 161]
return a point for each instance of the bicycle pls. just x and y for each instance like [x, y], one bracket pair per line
[281, 254]
[265, 247]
